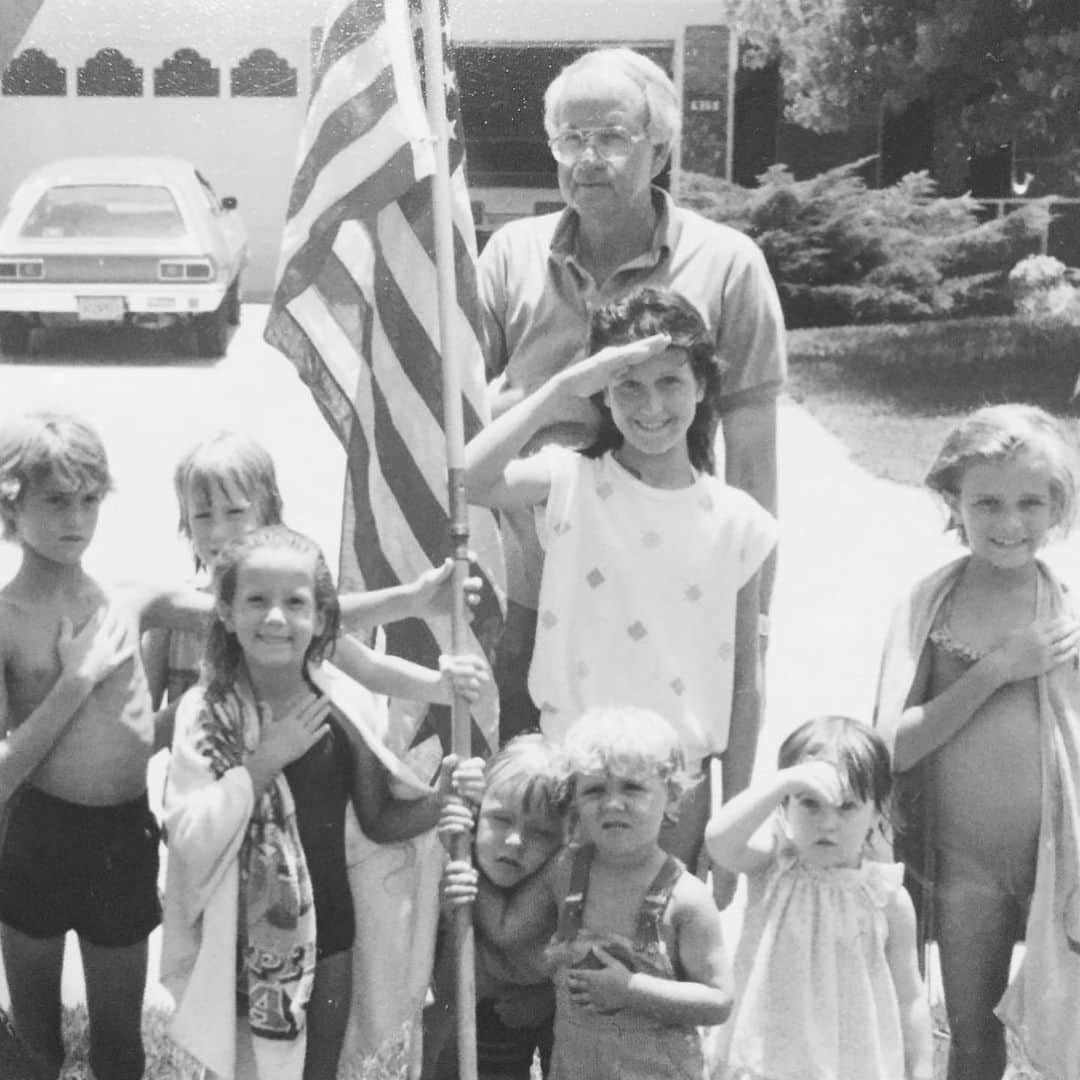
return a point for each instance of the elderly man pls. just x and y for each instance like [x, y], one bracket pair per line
[612, 117]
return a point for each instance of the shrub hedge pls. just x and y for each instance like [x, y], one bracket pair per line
[842, 252]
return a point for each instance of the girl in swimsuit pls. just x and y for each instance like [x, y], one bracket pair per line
[981, 735]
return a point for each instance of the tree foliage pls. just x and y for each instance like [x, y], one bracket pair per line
[994, 69]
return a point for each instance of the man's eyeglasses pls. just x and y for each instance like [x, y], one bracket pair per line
[614, 144]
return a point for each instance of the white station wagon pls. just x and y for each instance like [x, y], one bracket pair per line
[135, 240]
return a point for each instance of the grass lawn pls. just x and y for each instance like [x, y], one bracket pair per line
[164, 1061]
[892, 393]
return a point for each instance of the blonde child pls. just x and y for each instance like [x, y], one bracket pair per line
[517, 830]
[637, 951]
[826, 971]
[266, 756]
[226, 486]
[649, 590]
[979, 699]
[80, 845]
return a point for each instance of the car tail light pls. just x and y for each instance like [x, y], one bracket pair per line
[21, 269]
[185, 270]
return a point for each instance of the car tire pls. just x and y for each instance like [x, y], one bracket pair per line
[212, 331]
[232, 303]
[14, 335]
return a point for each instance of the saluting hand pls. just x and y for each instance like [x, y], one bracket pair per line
[594, 373]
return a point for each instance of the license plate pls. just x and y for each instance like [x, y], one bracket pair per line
[101, 308]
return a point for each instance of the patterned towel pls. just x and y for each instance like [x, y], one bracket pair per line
[276, 926]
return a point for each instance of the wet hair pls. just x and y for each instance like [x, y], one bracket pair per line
[640, 314]
[1002, 433]
[663, 114]
[528, 770]
[224, 656]
[227, 461]
[628, 742]
[42, 446]
[856, 749]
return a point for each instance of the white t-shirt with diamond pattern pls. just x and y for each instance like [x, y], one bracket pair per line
[638, 596]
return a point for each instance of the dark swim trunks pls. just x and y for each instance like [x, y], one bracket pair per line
[91, 869]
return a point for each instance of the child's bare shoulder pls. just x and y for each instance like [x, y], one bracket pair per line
[691, 898]
[900, 910]
[24, 613]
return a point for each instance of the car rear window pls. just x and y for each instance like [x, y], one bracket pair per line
[104, 210]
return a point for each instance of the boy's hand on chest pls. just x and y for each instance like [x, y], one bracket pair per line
[603, 986]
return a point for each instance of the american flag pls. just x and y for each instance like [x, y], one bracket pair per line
[355, 309]
[17, 17]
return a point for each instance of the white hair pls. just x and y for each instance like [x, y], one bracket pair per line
[663, 117]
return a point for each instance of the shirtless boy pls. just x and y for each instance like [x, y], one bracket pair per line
[79, 845]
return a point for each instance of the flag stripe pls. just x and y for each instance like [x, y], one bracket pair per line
[423, 297]
[356, 310]
[379, 504]
[344, 192]
[350, 121]
[350, 26]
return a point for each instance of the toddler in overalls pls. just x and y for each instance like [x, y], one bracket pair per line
[589, 1042]
[638, 952]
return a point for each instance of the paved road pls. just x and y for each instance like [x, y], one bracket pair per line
[151, 400]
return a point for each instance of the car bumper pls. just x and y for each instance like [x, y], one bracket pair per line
[79, 300]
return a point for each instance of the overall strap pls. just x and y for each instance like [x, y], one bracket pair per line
[647, 936]
[572, 911]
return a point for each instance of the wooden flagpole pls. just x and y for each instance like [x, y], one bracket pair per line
[442, 211]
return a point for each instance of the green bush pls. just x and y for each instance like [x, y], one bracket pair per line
[842, 252]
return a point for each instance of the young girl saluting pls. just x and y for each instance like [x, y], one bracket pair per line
[265, 758]
[980, 699]
[638, 952]
[649, 591]
[826, 971]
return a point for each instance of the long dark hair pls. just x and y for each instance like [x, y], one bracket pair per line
[640, 314]
[224, 658]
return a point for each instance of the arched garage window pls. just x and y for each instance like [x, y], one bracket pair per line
[110, 74]
[263, 74]
[187, 74]
[33, 73]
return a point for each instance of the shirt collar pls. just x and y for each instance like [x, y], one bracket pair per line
[564, 240]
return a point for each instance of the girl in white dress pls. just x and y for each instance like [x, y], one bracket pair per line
[827, 983]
